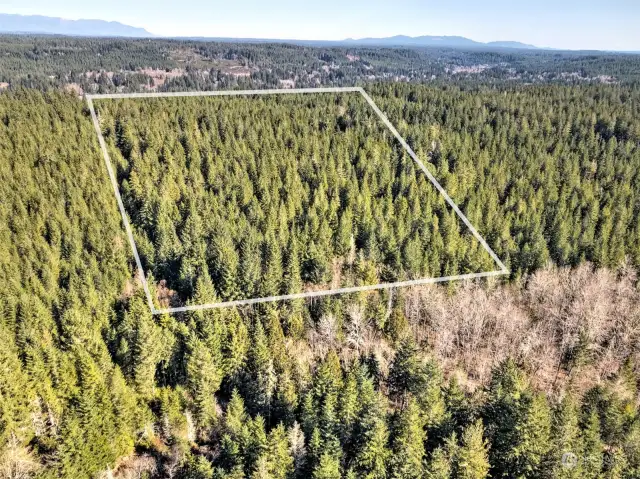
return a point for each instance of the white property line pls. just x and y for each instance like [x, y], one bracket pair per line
[503, 270]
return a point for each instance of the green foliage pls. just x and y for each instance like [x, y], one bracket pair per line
[412, 375]
[545, 172]
[328, 468]
[441, 463]
[567, 441]
[204, 377]
[283, 214]
[518, 425]
[63, 264]
[16, 395]
[142, 346]
[471, 461]
[408, 450]
[88, 377]
[196, 467]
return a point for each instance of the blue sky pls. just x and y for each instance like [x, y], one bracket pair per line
[574, 24]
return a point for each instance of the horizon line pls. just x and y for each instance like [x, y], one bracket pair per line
[355, 41]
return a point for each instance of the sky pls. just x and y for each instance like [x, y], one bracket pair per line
[570, 24]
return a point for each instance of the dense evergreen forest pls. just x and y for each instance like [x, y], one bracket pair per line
[279, 194]
[535, 376]
[546, 173]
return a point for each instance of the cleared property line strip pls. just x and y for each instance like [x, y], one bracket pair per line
[114, 183]
[329, 292]
[503, 270]
[433, 180]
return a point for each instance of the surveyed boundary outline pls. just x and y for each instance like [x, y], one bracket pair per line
[354, 289]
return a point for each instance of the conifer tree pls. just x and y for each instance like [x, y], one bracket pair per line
[408, 449]
[440, 465]
[518, 424]
[141, 345]
[272, 272]
[204, 377]
[328, 467]
[371, 450]
[16, 395]
[280, 462]
[405, 377]
[236, 434]
[225, 267]
[567, 443]
[235, 347]
[348, 409]
[471, 461]
[196, 467]
[250, 265]
[256, 446]
[297, 449]
[261, 371]
[459, 409]
[410, 375]
[292, 279]
[592, 446]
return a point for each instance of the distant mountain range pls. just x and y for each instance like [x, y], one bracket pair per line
[10, 23]
[59, 26]
[434, 41]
